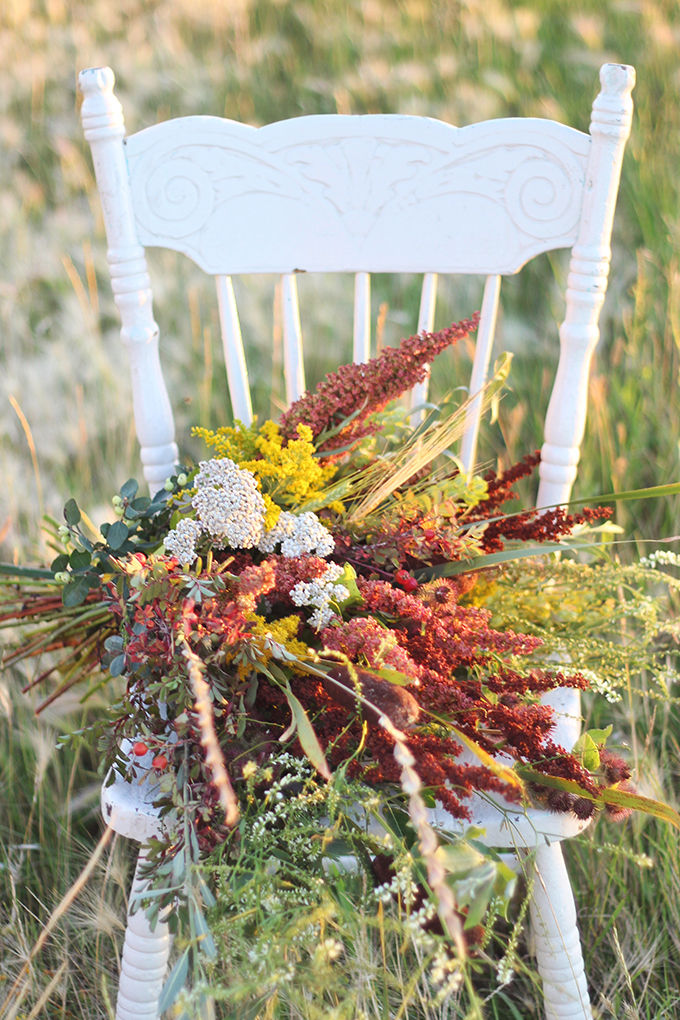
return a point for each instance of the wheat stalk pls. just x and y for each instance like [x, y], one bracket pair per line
[209, 741]
[427, 838]
[422, 449]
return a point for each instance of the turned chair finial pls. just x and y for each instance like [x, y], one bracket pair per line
[101, 113]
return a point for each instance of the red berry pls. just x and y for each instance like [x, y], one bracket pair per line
[401, 576]
[410, 584]
[429, 534]
[140, 748]
[160, 762]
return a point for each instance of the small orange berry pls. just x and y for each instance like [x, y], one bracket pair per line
[160, 762]
[140, 748]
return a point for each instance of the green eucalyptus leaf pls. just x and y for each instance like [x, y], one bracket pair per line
[129, 489]
[339, 490]
[117, 534]
[175, 982]
[475, 891]
[206, 893]
[60, 563]
[79, 559]
[75, 592]
[117, 667]
[72, 513]
[206, 942]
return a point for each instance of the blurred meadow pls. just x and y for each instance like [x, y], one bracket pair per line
[65, 420]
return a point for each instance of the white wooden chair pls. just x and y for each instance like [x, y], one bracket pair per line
[362, 194]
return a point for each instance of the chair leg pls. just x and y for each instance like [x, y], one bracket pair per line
[145, 960]
[557, 939]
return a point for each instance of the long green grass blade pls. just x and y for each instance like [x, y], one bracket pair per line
[481, 562]
[621, 798]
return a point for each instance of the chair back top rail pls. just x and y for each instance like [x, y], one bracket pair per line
[374, 193]
[360, 194]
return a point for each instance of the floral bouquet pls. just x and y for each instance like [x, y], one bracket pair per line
[320, 599]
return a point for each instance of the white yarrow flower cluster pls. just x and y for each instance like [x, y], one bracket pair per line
[182, 541]
[229, 504]
[321, 593]
[230, 508]
[298, 535]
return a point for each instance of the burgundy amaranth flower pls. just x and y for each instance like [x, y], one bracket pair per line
[363, 637]
[368, 387]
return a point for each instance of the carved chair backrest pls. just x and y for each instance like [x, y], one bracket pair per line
[360, 194]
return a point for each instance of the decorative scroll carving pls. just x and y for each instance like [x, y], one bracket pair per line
[324, 193]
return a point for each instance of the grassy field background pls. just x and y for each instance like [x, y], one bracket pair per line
[64, 392]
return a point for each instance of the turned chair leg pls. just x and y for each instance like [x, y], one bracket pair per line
[557, 939]
[145, 959]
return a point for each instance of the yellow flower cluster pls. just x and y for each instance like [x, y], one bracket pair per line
[289, 475]
[282, 631]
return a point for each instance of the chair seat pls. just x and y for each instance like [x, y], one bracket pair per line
[128, 805]
[510, 826]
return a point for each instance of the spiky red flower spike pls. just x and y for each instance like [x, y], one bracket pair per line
[369, 387]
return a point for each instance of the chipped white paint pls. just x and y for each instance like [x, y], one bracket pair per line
[364, 194]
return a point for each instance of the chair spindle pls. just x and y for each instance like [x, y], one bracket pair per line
[362, 318]
[234, 354]
[480, 369]
[428, 300]
[293, 363]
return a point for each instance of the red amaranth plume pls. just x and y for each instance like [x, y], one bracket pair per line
[368, 387]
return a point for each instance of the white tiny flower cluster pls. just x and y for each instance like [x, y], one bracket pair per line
[229, 504]
[182, 541]
[445, 974]
[505, 972]
[401, 885]
[321, 594]
[282, 807]
[231, 509]
[298, 535]
[416, 922]
[601, 686]
[662, 557]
